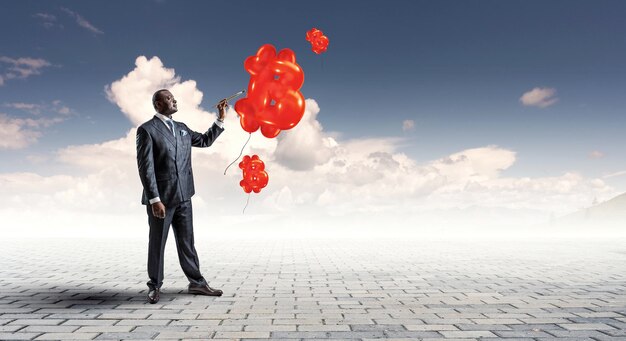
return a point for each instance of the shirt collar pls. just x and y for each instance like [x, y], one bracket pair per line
[163, 117]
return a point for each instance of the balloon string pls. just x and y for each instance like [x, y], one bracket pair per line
[247, 201]
[322, 61]
[244, 146]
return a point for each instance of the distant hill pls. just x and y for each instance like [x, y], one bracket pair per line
[611, 212]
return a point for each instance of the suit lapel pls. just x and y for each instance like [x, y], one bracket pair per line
[160, 126]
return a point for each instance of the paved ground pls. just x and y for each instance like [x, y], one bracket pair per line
[303, 289]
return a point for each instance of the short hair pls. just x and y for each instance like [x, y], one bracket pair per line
[155, 96]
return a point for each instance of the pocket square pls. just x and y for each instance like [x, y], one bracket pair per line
[183, 132]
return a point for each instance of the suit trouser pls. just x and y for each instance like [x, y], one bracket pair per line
[180, 217]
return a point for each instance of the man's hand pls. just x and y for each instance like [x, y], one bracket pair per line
[158, 210]
[221, 107]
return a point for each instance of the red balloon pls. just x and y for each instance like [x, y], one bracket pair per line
[273, 101]
[254, 175]
[319, 42]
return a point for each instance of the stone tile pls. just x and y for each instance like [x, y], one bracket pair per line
[105, 329]
[242, 335]
[122, 335]
[36, 322]
[430, 327]
[91, 322]
[185, 335]
[320, 289]
[142, 322]
[467, 333]
[585, 326]
[50, 329]
[18, 336]
[67, 336]
[270, 328]
[323, 328]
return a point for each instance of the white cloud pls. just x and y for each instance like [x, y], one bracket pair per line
[408, 125]
[358, 182]
[82, 22]
[596, 154]
[133, 92]
[17, 133]
[45, 16]
[539, 97]
[116, 154]
[38, 159]
[64, 110]
[474, 165]
[47, 20]
[305, 146]
[614, 174]
[22, 67]
[60, 108]
[36, 109]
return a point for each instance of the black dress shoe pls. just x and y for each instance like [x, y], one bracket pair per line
[204, 290]
[154, 295]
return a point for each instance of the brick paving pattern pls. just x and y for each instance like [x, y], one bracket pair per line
[318, 289]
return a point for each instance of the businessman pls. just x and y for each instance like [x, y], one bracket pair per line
[164, 162]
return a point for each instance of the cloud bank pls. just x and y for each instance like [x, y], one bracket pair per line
[318, 183]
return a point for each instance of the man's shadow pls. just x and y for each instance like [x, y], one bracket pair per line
[88, 298]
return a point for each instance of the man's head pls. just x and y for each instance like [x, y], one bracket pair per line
[164, 102]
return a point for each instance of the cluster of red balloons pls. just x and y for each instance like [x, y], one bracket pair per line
[273, 101]
[254, 175]
[319, 42]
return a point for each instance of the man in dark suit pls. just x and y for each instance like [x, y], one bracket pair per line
[164, 162]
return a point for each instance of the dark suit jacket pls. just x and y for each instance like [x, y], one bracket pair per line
[164, 162]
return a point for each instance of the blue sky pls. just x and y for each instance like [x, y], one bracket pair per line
[456, 69]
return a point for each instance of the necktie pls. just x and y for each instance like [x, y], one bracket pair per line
[170, 123]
